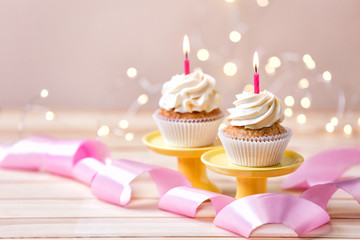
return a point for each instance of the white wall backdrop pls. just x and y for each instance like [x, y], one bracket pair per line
[80, 50]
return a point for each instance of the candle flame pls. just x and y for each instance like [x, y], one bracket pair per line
[256, 61]
[186, 45]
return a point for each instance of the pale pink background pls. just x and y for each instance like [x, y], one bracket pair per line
[80, 50]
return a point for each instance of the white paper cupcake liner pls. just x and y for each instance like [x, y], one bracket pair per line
[188, 132]
[256, 151]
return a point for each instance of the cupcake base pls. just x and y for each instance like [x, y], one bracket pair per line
[255, 151]
[185, 132]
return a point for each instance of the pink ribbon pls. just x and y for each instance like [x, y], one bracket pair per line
[85, 162]
[56, 156]
[321, 194]
[27, 154]
[248, 213]
[86, 170]
[186, 200]
[325, 167]
[112, 183]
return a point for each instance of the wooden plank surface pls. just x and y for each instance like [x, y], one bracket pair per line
[41, 205]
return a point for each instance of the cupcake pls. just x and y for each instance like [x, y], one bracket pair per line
[254, 136]
[189, 114]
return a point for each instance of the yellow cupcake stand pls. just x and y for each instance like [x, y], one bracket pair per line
[189, 162]
[250, 180]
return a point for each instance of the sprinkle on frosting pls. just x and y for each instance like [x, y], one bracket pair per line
[194, 92]
[255, 111]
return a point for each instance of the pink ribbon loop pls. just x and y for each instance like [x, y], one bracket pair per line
[321, 194]
[26, 154]
[248, 213]
[186, 200]
[112, 184]
[325, 167]
[166, 179]
[86, 169]
[63, 155]
[56, 156]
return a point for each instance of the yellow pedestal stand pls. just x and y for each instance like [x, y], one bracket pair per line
[189, 162]
[250, 180]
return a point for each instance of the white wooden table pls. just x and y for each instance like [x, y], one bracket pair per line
[41, 205]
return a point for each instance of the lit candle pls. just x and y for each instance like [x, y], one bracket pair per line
[256, 75]
[186, 49]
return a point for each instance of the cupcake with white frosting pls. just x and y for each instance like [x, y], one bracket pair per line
[254, 136]
[189, 114]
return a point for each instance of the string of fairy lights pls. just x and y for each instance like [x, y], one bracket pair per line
[33, 105]
[273, 65]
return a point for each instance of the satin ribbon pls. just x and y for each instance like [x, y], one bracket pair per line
[324, 167]
[55, 156]
[248, 213]
[186, 200]
[85, 162]
[321, 194]
[27, 154]
[112, 183]
[86, 170]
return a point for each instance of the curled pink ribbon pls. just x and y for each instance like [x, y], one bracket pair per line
[321, 194]
[186, 200]
[27, 154]
[56, 156]
[324, 167]
[86, 169]
[112, 183]
[248, 213]
[85, 162]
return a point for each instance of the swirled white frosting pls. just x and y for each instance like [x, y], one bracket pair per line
[254, 111]
[194, 92]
